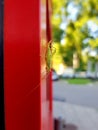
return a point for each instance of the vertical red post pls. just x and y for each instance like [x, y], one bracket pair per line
[49, 37]
[25, 36]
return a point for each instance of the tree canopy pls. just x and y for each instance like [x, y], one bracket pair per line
[75, 27]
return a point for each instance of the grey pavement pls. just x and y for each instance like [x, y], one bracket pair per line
[85, 95]
[76, 117]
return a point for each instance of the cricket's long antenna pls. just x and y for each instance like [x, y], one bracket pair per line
[31, 92]
[47, 71]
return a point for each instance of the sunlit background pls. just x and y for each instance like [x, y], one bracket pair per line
[75, 34]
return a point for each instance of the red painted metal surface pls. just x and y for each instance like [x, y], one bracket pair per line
[46, 86]
[49, 84]
[26, 103]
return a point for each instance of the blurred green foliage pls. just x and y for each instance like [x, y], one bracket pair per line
[70, 22]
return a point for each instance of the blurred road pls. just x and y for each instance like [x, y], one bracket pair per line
[85, 95]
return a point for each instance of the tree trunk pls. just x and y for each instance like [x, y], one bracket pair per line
[89, 68]
[96, 69]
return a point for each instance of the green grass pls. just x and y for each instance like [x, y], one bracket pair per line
[78, 81]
